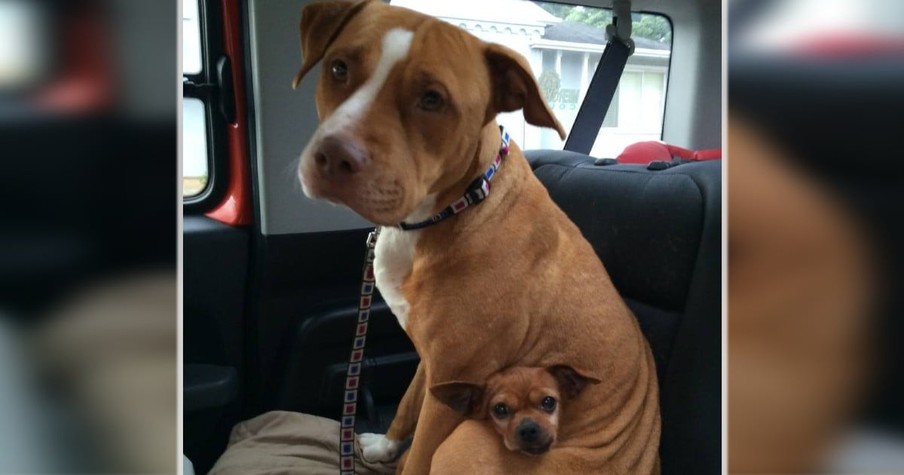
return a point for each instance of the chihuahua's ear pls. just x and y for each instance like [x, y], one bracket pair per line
[463, 398]
[321, 23]
[571, 383]
[514, 87]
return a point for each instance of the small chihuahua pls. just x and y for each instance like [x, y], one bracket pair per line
[523, 403]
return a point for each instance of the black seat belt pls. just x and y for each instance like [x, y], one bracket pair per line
[602, 86]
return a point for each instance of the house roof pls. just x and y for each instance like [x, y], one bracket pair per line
[520, 12]
[575, 32]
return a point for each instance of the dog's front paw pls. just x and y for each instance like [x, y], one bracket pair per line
[377, 448]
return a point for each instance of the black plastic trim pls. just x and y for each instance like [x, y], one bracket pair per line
[257, 250]
[208, 386]
[227, 89]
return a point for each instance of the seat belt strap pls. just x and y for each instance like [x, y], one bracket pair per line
[599, 95]
[604, 82]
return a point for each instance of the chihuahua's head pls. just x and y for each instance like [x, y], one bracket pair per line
[523, 403]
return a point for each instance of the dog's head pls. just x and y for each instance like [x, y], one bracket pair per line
[523, 403]
[404, 101]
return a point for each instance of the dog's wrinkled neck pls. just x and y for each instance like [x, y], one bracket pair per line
[485, 152]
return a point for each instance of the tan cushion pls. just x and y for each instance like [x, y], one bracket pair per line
[281, 442]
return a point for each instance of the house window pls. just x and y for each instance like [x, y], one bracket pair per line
[564, 44]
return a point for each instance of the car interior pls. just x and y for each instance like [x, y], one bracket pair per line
[271, 277]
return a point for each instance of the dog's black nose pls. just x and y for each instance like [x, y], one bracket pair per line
[340, 156]
[528, 431]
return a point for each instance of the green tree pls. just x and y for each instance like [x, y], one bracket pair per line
[597, 17]
[557, 9]
[653, 27]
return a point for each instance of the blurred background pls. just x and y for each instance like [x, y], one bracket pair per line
[815, 209]
[89, 201]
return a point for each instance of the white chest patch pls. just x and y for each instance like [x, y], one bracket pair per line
[393, 262]
[394, 259]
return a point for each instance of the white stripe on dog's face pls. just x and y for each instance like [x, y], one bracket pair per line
[396, 44]
[395, 47]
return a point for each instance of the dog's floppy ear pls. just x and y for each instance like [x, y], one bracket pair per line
[571, 383]
[321, 23]
[514, 87]
[463, 398]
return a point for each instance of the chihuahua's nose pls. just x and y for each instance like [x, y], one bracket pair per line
[340, 156]
[528, 431]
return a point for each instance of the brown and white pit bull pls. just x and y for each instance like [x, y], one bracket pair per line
[408, 105]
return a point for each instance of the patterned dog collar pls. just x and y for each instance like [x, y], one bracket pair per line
[476, 192]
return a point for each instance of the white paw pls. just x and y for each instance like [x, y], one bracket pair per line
[377, 448]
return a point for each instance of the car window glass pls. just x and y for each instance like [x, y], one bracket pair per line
[563, 44]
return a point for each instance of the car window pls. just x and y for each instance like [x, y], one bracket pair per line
[195, 161]
[191, 37]
[194, 147]
[563, 44]
[22, 44]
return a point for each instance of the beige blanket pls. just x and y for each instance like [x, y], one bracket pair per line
[282, 442]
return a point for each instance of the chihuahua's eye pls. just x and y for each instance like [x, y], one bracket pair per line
[339, 70]
[431, 101]
[548, 404]
[500, 411]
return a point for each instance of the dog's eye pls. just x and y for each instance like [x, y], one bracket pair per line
[339, 70]
[431, 101]
[500, 411]
[548, 404]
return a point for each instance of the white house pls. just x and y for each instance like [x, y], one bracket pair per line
[571, 50]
